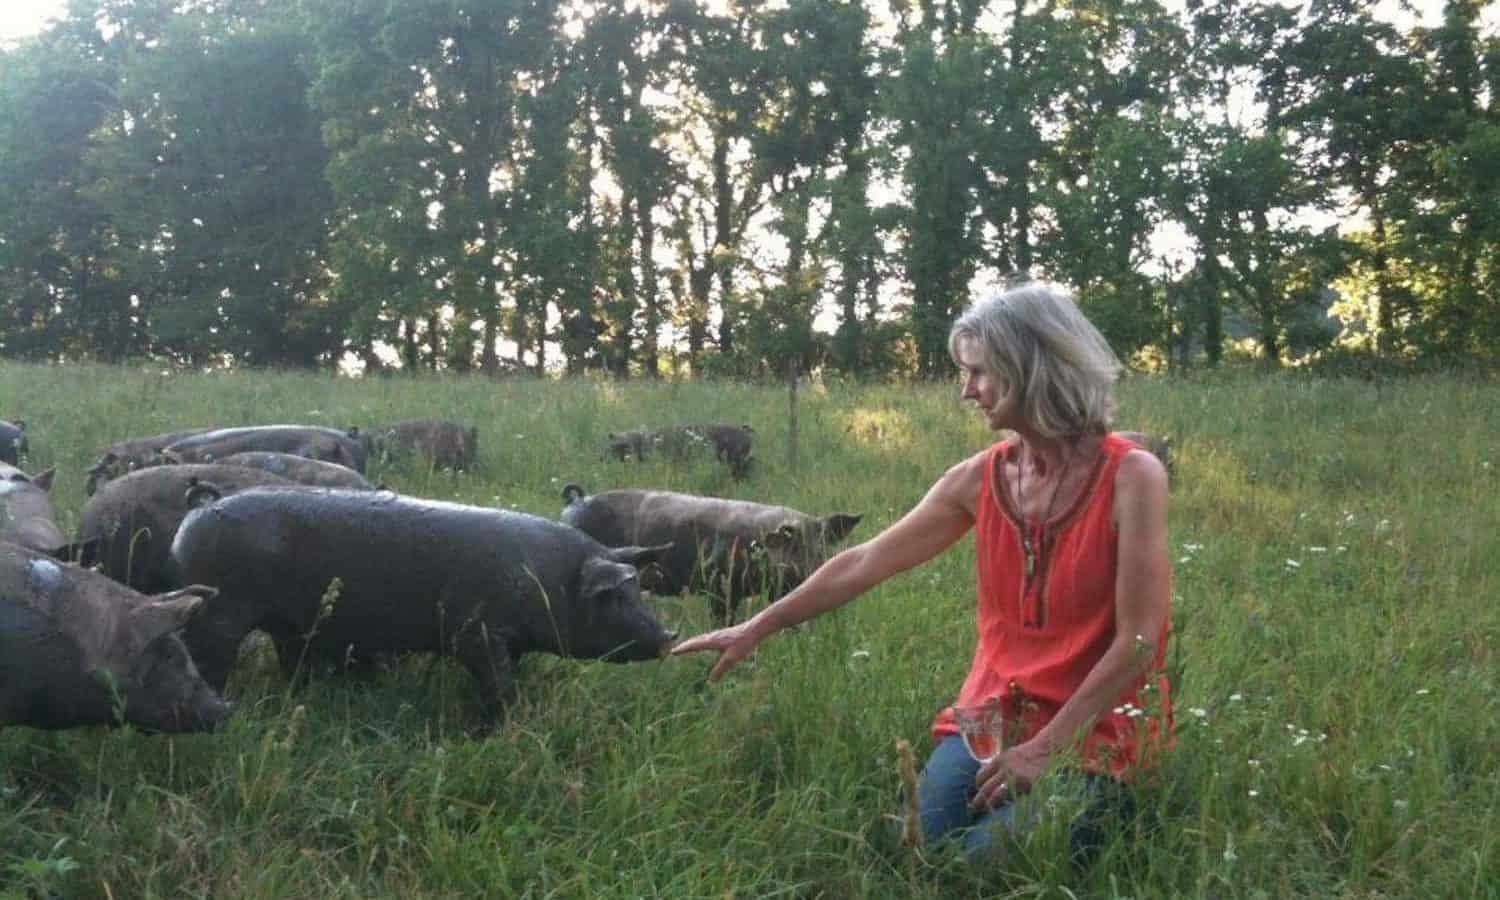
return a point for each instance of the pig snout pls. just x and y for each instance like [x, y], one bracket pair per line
[211, 713]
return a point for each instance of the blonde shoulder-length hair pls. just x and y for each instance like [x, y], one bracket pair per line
[1051, 357]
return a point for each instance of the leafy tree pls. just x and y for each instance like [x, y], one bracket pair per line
[57, 294]
[1358, 96]
[213, 177]
[936, 96]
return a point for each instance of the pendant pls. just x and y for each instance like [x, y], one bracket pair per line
[1030, 563]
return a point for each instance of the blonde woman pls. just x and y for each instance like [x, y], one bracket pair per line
[1074, 576]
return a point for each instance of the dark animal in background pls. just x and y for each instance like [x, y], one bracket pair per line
[624, 444]
[132, 454]
[311, 441]
[313, 472]
[79, 649]
[1159, 447]
[729, 549]
[27, 518]
[730, 443]
[12, 441]
[444, 445]
[483, 585]
[128, 526]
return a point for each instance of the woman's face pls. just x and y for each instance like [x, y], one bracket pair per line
[987, 389]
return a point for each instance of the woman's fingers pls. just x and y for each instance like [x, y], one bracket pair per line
[730, 658]
[697, 644]
[730, 642]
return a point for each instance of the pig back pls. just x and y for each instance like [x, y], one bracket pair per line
[135, 517]
[312, 441]
[300, 469]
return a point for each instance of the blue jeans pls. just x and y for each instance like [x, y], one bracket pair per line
[947, 786]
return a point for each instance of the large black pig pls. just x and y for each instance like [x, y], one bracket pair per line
[128, 525]
[482, 585]
[134, 453]
[729, 549]
[26, 515]
[79, 649]
[311, 441]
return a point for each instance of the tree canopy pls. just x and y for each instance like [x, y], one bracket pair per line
[741, 187]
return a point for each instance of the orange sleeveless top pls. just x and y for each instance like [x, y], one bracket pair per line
[1039, 636]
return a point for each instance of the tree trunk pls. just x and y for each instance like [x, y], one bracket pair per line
[723, 239]
[650, 292]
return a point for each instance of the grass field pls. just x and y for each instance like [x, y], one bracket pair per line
[1335, 602]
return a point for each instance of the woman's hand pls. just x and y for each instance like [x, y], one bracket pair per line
[1009, 775]
[733, 643]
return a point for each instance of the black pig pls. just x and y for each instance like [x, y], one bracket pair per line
[79, 649]
[483, 585]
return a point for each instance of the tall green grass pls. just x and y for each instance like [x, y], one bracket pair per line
[1335, 619]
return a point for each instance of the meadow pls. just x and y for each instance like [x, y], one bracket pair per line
[1336, 575]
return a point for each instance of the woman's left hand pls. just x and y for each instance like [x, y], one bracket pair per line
[1009, 775]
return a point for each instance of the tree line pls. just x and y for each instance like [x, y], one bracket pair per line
[645, 186]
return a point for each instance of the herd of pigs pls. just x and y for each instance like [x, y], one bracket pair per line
[190, 541]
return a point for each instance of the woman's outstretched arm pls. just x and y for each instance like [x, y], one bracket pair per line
[943, 516]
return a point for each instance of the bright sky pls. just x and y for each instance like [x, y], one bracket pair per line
[19, 18]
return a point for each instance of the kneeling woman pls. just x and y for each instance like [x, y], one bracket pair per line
[1074, 577]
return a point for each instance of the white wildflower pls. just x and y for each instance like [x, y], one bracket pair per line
[1199, 711]
[1235, 698]
[1317, 549]
[1293, 564]
[1254, 793]
[1422, 692]
[860, 654]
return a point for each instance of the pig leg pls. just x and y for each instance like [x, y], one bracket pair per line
[489, 660]
[213, 636]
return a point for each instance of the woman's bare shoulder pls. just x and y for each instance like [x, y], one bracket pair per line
[962, 481]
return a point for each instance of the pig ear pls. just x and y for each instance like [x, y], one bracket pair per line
[201, 493]
[837, 526]
[44, 480]
[169, 612]
[601, 576]
[639, 556]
